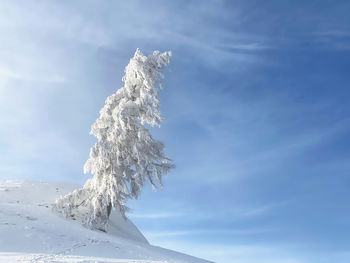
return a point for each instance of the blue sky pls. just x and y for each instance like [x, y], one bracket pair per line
[256, 109]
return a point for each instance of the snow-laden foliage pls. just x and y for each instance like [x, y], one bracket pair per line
[125, 155]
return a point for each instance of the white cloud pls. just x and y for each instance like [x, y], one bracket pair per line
[213, 231]
[228, 253]
[155, 215]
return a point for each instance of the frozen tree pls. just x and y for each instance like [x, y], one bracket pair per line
[125, 155]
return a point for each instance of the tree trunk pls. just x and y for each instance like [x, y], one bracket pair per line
[109, 209]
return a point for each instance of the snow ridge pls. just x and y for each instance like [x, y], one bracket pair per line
[30, 232]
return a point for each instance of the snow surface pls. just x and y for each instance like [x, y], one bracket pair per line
[30, 232]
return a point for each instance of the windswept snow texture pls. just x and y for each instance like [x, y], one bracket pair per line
[30, 232]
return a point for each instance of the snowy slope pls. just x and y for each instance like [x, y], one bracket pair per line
[30, 232]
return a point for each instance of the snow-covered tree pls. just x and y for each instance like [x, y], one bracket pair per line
[125, 155]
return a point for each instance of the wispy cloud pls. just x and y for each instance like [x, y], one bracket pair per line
[15, 74]
[261, 210]
[237, 253]
[155, 215]
[193, 232]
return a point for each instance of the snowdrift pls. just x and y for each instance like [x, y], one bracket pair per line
[30, 232]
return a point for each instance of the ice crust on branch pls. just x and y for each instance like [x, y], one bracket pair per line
[125, 155]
